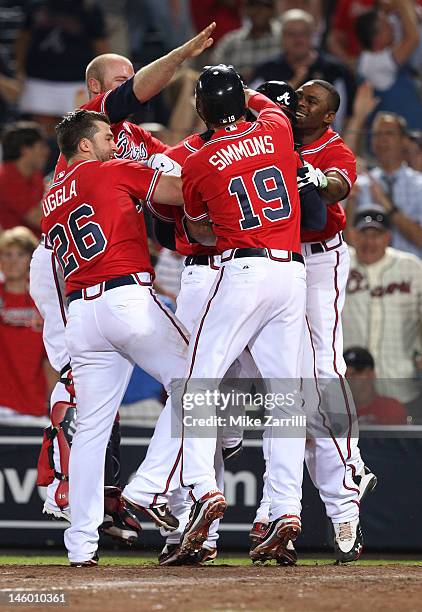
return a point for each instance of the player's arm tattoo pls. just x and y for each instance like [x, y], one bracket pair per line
[201, 231]
[337, 188]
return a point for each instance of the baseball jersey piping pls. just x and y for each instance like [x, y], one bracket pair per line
[343, 174]
[153, 185]
[66, 176]
[150, 206]
[324, 144]
[232, 136]
[103, 101]
[324, 423]
[190, 147]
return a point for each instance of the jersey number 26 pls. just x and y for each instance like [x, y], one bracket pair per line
[87, 238]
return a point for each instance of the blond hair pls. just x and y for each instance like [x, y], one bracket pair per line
[19, 236]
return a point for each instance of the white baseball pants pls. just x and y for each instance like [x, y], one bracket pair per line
[105, 335]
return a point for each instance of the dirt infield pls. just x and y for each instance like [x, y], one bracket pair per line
[230, 589]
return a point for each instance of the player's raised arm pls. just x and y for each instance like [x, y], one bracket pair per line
[151, 79]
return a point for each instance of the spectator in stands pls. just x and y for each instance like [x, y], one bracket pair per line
[21, 180]
[413, 149]
[226, 13]
[384, 60]
[342, 41]
[58, 40]
[26, 379]
[371, 408]
[392, 184]
[383, 308]
[300, 61]
[156, 27]
[10, 89]
[252, 44]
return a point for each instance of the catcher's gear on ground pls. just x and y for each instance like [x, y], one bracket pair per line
[112, 457]
[220, 96]
[119, 522]
[66, 378]
[62, 427]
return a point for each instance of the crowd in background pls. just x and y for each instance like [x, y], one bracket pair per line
[371, 50]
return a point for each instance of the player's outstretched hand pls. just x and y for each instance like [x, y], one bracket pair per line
[196, 45]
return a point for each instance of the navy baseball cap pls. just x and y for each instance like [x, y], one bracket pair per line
[359, 358]
[372, 218]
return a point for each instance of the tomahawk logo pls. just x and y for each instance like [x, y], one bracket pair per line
[284, 99]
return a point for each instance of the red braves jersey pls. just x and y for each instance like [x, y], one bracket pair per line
[133, 142]
[22, 380]
[330, 153]
[18, 194]
[93, 223]
[176, 214]
[244, 180]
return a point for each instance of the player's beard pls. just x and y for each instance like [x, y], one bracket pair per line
[102, 155]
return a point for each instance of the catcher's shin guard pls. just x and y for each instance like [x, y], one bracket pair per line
[63, 417]
[112, 457]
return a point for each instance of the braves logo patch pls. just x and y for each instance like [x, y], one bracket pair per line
[126, 149]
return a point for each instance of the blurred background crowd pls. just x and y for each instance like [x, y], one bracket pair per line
[371, 50]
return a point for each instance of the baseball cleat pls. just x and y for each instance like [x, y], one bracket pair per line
[257, 532]
[285, 555]
[348, 541]
[119, 522]
[279, 532]
[366, 481]
[256, 535]
[93, 562]
[172, 555]
[54, 512]
[206, 554]
[161, 515]
[233, 452]
[210, 507]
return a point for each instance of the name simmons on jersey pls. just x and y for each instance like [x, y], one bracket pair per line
[249, 147]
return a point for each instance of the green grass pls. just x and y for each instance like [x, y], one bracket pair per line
[115, 559]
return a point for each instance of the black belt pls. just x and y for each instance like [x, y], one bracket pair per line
[199, 260]
[264, 253]
[119, 281]
[317, 247]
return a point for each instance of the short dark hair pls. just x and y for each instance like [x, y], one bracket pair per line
[366, 28]
[18, 135]
[333, 98]
[359, 358]
[77, 125]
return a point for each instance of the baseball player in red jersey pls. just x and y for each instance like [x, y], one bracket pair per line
[202, 264]
[333, 461]
[114, 88]
[243, 180]
[201, 267]
[99, 238]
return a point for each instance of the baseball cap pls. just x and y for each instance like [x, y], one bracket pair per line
[373, 217]
[358, 358]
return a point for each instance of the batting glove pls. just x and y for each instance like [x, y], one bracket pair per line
[160, 161]
[310, 175]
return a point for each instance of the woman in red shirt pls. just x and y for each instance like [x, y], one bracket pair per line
[23, 364]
